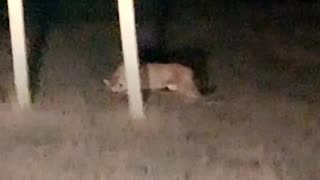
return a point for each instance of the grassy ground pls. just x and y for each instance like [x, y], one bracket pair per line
[264, 122]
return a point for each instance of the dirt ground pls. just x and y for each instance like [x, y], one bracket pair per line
[78, 130]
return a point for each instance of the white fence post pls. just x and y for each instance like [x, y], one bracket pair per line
[20, 64]
[130, 55]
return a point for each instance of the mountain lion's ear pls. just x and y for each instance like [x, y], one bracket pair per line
[107, 82]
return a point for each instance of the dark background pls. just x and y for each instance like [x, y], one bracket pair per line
[191, 31]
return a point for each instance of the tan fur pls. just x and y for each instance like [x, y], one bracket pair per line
[156, 76]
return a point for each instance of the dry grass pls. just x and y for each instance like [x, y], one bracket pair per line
[254, 136]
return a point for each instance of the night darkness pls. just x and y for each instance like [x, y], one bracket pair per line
[154, 17]
[227, 23]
